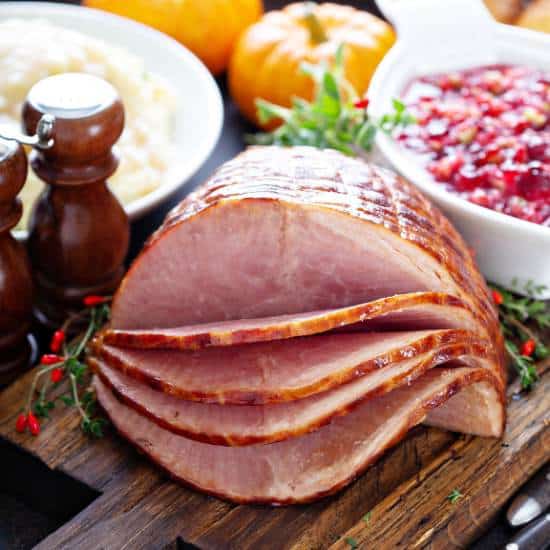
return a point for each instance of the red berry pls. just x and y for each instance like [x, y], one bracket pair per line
[362, 103]
[57, 341]
[528, 347]
[93, 300]
[50, 359]
[34, 425]
[56, 375]
[497, 297]
[21, 423]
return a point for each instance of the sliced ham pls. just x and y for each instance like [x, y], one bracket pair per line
[290, 321]
[421, 310]
[304, 468]
[246, 425]
[281, 370]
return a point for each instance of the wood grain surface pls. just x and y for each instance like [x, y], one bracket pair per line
[405, 492]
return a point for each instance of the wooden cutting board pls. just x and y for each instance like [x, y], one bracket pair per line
[405, 492]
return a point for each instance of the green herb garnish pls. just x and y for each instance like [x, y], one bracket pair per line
[337, 118]
[454, 496]
[66, 362]
[517, 313]
[366, 517]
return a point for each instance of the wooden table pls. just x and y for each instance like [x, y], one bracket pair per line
[125, 502]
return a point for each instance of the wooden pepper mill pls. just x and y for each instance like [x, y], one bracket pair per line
[15, 274]
[79, 232]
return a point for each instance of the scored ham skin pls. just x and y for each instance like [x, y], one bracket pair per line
[317, 464]
[277, 371]
[236, 425]
[419, 310]
[278, 231]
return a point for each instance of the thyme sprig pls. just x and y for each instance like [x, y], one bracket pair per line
[520, 316]
[337, 118]
[68, 366]
[454, 496]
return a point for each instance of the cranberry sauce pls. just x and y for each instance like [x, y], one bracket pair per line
[485, 134]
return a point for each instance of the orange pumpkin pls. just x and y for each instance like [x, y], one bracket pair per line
[266, 60]
[209, 28]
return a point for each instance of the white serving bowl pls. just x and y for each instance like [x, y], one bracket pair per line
[434, 37]
[199, 111]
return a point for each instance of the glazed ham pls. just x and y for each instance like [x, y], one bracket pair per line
[304, 468]
[290, 321]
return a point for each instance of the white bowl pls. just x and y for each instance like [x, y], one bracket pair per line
[199, 112]
[435, 38]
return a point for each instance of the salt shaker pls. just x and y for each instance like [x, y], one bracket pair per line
[15, 274]
[79, 232]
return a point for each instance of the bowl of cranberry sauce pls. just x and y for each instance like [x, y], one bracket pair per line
[484, 135]
[480, 93]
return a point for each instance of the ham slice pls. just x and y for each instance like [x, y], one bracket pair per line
[281, 370]
[421, 310]
[246, 425]
[304, 468]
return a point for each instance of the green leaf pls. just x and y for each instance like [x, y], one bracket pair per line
[339, 57]
[398, 105]
[77, 369]
[42, 408]
[67, 400]
[366, 517]
[454, 496]
[269, 111]
[365, 136]
[94, 427]
[330, 86]
[352, 542]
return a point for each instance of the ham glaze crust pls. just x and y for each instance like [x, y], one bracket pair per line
[293, 319]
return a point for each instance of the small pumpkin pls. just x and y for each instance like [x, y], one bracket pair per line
[209, 28]
[266, 60]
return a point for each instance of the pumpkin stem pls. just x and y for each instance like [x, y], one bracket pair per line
[317, 33]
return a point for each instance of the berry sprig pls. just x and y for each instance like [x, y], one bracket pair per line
[65, 362]
[518, 314]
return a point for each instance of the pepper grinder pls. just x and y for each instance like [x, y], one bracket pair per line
[79, 232]
[16, 345]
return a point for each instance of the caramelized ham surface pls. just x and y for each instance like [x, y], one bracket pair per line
[245, 425]
[405, 311]
[281, 370]
[307, 467]
[290, 321]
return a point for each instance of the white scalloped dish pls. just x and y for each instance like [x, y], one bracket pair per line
[436, 37]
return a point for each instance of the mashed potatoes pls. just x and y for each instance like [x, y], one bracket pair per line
[32, 50]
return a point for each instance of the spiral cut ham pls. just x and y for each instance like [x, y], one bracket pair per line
[292, 320]
[304, 468]
[231, 424]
